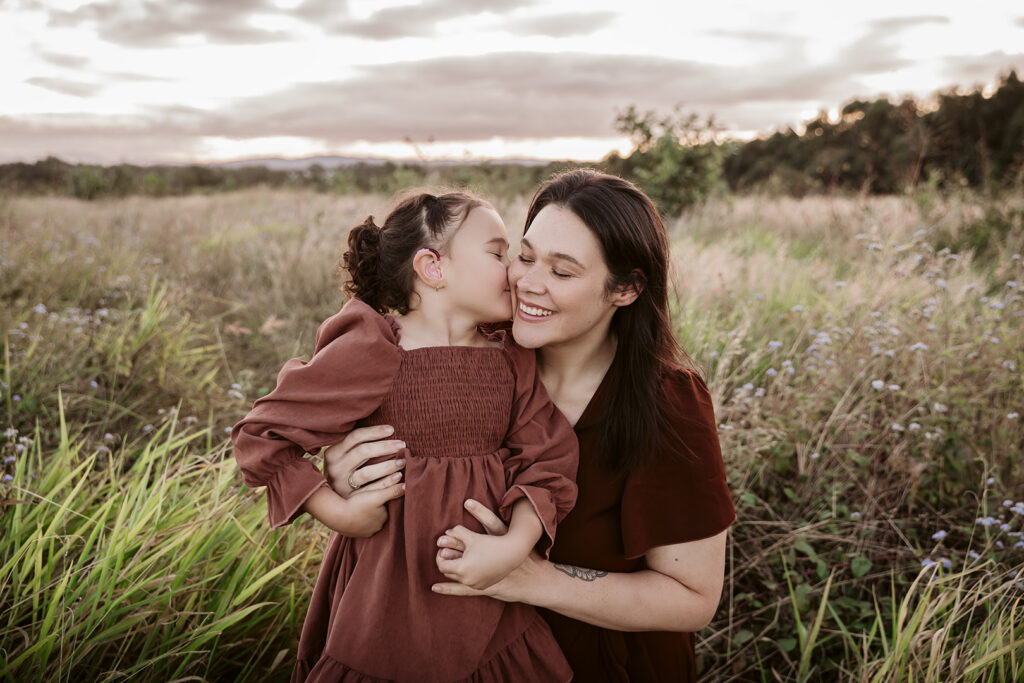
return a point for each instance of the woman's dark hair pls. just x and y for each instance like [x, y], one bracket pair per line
[379, 258]
[635, 248]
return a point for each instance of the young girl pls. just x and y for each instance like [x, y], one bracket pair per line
[477, 424]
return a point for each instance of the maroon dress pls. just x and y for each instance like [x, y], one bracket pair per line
[477, 423]
[675, 497]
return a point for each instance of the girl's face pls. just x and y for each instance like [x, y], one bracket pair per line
[558, 282]
[476, 272]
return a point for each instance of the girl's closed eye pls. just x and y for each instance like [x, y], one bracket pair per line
[564, 276]
[523, 259]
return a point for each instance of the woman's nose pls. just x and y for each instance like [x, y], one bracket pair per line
[528, 282]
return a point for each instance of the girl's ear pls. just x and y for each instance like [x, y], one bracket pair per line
[427, 264]
[628, 293]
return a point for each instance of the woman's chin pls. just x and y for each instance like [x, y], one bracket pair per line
[527, 335]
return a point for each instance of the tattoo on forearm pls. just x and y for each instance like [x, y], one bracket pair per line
[580, 572]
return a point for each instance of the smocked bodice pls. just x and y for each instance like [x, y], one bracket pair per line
[452, 401]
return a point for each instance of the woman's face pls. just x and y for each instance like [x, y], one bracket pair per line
[558, 282]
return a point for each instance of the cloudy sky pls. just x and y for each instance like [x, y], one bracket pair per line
[197, 80]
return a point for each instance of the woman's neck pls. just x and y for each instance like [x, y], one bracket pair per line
[572, 372]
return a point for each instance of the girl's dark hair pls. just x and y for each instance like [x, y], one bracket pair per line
[379, 258]
[635, 247]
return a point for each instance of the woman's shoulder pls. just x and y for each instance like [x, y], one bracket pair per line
[685, 394]
[358, 324]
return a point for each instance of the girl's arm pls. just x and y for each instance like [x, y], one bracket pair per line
[486, 559]
[361, 515]
[679, 590]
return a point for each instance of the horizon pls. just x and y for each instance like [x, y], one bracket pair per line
[454, 80]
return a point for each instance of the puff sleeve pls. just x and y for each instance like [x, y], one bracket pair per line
[544, 451]
[315, 404]
[679, 496]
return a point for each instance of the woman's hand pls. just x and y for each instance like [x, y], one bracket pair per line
[343, 462]
[513, 588]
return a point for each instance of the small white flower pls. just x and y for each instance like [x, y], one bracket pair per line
[796, 309]
[39, 308]
[878, 384]
[897, 427]
[854, 515]
[990, 481]
[840, 284]
[815, 455]
[939, 407]
[919, 346]
[774, 345]
[997, 305]
[1012, 416]
[1007, 503]
[973, 555]
[893, 387]
[914, 426]
[1012, 284]
[939, 535]
[771, 372]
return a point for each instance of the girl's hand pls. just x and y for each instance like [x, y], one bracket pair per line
[343, 462]
[514, 587]
[360, 516]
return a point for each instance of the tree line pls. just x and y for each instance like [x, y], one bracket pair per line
[954, 140]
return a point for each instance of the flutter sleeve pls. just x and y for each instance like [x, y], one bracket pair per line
[315, 404]
[544, 451]
[680, 494]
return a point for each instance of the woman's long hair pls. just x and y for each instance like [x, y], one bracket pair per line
[635, 248]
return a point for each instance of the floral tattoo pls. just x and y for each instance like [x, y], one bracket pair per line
[580, 572]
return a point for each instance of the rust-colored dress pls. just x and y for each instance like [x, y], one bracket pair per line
[674, 498]
[477, 423]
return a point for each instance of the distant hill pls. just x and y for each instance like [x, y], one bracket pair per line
[332, 162]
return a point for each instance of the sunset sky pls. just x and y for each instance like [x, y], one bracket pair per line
[146, 81]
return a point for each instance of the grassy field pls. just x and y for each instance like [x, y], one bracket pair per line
[864, 354]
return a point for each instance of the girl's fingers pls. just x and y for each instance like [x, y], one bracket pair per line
[382, 483]
[448, 567]
[447, 541]
[491, 522]
[449, 554]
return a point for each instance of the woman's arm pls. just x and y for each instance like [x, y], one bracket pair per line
[679, 591]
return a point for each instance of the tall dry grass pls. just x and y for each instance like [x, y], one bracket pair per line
[864, 355]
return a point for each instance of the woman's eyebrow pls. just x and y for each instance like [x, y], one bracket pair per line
[498, 240]
[561, 256]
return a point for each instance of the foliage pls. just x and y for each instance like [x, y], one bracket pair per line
[864, 356]
[676, 159]
[962, 139]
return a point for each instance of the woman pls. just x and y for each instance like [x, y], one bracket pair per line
[638, 565]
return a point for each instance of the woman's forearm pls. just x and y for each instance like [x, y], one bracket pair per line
[645, 600]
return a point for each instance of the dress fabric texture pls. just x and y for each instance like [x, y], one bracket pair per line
[477, 423]
[674, 497]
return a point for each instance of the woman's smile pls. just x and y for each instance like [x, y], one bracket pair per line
[533, 313]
